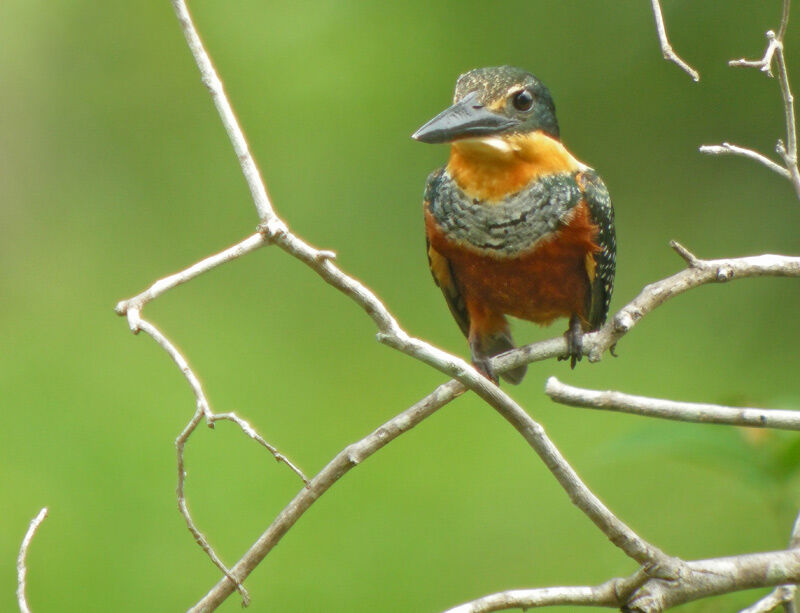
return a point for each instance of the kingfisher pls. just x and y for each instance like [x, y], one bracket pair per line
[515, 224]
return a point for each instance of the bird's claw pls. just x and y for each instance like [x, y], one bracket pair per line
[574, 336]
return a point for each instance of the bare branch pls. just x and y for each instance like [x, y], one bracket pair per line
[203, 411]
[666, 49]
[214, 85]
[703, 272]
[701, 579]
[783, 594]
[784, 20]
[341, 464]
[787, 151]
[134, 305]
[700, 272]
[719, 576]
[22, 569]
[599, 596]
[728, 148]
[250, 431]
[669, 409]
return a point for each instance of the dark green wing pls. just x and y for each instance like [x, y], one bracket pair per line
[602, 214]
[440, 267]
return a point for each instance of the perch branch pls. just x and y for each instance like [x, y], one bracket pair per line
[22, 569]
[669, 409]
[666, 48]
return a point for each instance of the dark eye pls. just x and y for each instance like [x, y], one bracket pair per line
[522, 100]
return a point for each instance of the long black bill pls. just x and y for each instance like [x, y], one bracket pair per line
[465, 119]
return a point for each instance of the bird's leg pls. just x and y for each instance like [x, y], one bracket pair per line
[481, 361]
[574, 336]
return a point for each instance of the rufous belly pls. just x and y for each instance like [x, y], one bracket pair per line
[548, 281]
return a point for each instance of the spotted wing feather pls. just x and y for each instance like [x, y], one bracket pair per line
[601, 211]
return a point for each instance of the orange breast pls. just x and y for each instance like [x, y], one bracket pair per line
[540, 285]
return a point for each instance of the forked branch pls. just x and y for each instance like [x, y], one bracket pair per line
[786, 150]
[704, 578]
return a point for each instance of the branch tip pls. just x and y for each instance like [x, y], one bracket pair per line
[691, 259]
[22, 569]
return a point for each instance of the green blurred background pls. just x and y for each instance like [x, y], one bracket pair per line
[115, 171]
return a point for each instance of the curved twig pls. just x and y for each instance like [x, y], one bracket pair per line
[22, 569]
[666, 49]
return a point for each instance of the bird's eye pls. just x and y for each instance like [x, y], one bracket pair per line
[522, 100]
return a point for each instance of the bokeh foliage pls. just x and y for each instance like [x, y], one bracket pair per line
[114, 171]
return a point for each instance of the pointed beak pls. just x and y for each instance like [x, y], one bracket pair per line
[465, 119]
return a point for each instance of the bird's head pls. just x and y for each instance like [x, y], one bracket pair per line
[493, 106]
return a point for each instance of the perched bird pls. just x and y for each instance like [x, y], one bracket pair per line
[515, 224]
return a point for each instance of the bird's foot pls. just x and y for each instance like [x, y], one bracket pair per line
[484, 366]
[574, 336]
[482, 362]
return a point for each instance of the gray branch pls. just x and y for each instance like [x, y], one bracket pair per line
[22, 569]
[669, 409]
[699, 579]
[787, 150]
[666, 48]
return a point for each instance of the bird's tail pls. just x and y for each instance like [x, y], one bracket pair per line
[494, 344]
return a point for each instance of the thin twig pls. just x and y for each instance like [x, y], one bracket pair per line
[135, 304]
[350, 457]
[603, 595]
[669, 409]
[250, 431]
[783, 594]
[215, 87]
[702, 273]
[22, 569]
[787, 150]
[776, 598]
[728, 148]
[203, 411]
[666, 48]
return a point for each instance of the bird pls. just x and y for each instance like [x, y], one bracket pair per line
[515, 224]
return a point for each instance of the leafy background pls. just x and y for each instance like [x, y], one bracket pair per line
[114, 171]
